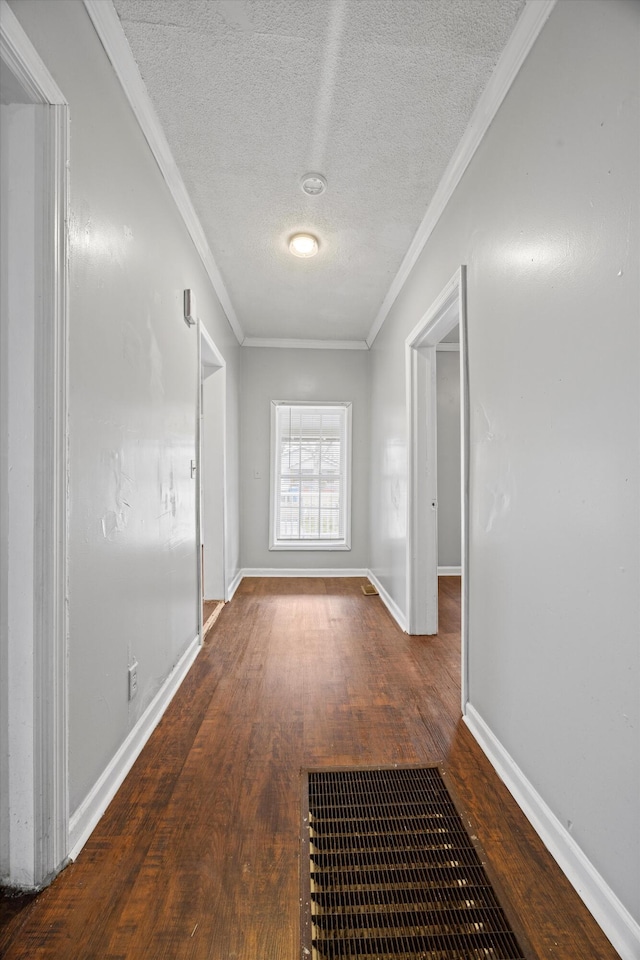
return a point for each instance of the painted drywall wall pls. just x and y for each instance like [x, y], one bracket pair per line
[132, 396]
[546, 217]
[274, 374]
[448, 440]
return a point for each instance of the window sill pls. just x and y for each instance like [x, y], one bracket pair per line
[310, 545]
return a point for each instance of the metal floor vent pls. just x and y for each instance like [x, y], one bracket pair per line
[394, 874]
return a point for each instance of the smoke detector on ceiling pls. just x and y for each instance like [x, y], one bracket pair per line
[313, 184]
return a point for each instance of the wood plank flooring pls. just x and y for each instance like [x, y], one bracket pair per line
[198, 855]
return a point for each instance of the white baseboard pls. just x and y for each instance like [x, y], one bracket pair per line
[449, 571]
[233, 586]
[85, 818]
[303, 572]
[616, 921]
[389, 602]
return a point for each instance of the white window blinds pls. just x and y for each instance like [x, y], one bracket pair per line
[310, 474]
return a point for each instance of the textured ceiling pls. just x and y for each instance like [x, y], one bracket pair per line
[374, 94]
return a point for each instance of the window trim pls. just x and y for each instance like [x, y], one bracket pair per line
[345, 542]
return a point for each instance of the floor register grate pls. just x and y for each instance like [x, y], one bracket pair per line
[394, 874]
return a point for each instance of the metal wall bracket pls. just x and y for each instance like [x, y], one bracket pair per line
[189, 308]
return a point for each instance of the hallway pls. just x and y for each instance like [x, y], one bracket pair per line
[197, 857]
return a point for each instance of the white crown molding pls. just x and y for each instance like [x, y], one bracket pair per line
[616, 921]
[23, 60]
[85, 819]
[306, 344]
[448, 347]
[527, 29]
[109, 29]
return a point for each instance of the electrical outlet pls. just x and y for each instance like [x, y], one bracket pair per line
[133, 679]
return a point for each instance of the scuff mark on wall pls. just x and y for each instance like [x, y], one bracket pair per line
[500, 497]
[482, 425]
[496, 499]
[156, 369]
[115, 519]
[109, 525]
[143, 354]
[395, 455]
[171, 495]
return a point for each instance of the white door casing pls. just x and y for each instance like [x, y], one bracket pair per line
[33, 490]
[211, 471]
[445, 312]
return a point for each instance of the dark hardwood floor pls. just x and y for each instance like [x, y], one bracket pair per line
[198, 855]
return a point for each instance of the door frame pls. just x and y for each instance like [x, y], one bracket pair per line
[447, 310]
[43, 850]
[210, 361]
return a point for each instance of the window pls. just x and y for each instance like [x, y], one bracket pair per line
[310, 476]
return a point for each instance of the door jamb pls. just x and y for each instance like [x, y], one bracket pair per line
[50, 801]
[210, 359]
[448, 309]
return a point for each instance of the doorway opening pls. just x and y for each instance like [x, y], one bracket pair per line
[449, 510]
[446, 313]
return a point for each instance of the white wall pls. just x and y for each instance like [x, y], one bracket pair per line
[133, 386]
[274, 374]
[546, 217]
[448, 439]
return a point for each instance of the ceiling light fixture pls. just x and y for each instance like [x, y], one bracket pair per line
[313, 184]
[303, 245]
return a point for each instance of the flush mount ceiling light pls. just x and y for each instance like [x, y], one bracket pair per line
[303, 245]
[313, 184]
